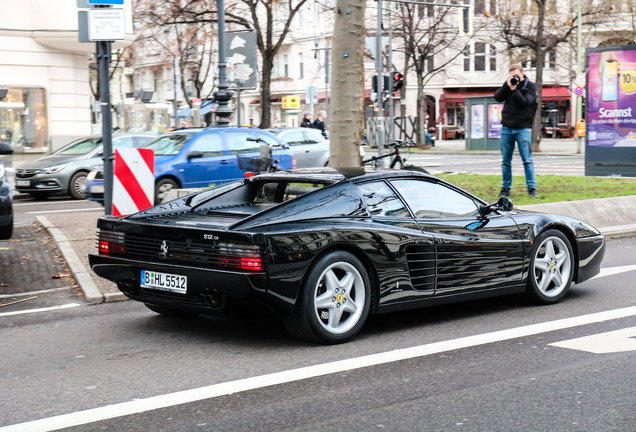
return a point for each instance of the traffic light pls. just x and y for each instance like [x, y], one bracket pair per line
[398, 81]
[374, 83]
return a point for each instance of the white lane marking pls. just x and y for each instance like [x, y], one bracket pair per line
[610, 271]
[603, 343]
[46, 309]
[67, 211]
[26, 294]
[47, 202]
[245, 384]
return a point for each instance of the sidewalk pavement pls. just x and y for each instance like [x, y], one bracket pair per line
[75, 235]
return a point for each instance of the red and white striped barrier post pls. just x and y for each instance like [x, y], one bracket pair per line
[134, 180]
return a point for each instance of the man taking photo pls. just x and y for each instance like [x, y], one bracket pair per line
[518, 95]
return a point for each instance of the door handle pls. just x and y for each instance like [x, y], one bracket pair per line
[224, 162]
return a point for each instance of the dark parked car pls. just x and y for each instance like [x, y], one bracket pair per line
[324, 250]
[6, 197]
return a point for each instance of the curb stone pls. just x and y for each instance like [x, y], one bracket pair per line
[81, 275]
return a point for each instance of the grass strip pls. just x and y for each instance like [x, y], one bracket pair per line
[551, 188]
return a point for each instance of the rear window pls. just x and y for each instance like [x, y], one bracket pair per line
[80, 147]
[256, 196]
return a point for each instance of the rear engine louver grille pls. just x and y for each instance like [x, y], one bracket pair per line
[421, 261]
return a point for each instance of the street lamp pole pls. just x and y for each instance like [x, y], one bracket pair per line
[579, 69]
[223, 95]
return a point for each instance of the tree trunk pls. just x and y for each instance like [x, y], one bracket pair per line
[421, 112]
[539, 56]
[266, 97]
[347, 86]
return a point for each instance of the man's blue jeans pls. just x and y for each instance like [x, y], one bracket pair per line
[523, 137]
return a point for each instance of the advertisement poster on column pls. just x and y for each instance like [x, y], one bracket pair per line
[611, 111]
[477, 122]
[494, 120]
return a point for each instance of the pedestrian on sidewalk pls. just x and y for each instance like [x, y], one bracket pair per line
[307, 120]
[519, 96]
[320, 122]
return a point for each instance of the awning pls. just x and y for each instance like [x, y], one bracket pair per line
[208, 105]
[460, 94]
[555, 93]
[185, 112]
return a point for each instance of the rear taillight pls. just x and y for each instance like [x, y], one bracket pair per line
[294, 161]
[241, 257]
[111, 243]
[248, 174]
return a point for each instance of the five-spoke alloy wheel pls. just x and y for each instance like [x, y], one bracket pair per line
[551, 267]
[334, 301]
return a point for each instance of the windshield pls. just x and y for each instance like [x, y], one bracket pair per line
[80, 147]
[274, 131]
[168, 145]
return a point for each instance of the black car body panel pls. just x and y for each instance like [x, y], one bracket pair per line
[412, 259]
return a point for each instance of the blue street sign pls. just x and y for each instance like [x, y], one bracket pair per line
[106, 2]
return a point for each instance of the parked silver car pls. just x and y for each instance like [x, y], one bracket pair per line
[65, 170]
[310, 148]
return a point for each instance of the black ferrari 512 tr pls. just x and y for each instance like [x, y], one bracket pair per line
[324, 250]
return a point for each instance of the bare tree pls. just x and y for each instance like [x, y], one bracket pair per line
[271, 19]
[431, 42]
[532, 29]
[348, 78]
[173, 28]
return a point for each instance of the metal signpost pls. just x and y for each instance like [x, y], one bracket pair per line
[103, 25]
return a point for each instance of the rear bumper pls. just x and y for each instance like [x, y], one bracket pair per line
[202, 283]
[591, 252]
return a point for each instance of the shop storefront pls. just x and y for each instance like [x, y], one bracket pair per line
[23, 119]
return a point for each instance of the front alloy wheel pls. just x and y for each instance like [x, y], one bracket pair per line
[552, 267]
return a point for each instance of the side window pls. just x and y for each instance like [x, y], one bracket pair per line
[123, 142]
[382, 201]
[267, 138]
[209, 145]
[313, 137]
[238, 142]
[294, 138]
[433, 200]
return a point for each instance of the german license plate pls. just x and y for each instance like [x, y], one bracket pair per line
[23, 183]
[164, 281]
[97, 189]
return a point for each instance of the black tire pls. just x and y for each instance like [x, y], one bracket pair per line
[6, 231]
[77, 185]
[346, 304]
[551, 268]
[40, 195]
[415, 168]
[162, 187]
[172, 313]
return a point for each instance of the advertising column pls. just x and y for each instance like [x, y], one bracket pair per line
[611, 111]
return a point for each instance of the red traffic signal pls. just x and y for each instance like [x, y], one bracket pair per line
[398, 81]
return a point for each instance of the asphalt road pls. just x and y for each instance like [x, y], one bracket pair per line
[478, 366]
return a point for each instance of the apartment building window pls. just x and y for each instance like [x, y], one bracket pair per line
[549, 61]
[481, 6]
[317, 64]
[480, 57]
[301, 22]
[285, 65]
[301, 66]
[316, 13]
[274, 73]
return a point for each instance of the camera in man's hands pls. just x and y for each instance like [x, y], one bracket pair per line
[515, 80]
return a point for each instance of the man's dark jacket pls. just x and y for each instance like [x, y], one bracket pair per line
[321, 126]
[306, 123]
[520, 106]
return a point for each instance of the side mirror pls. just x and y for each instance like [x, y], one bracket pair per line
[195, 155]
[504, 204]
[5, 149]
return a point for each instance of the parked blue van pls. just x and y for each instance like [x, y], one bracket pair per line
[199, 158]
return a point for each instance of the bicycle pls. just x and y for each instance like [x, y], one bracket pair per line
[397, 160]
[262, 164]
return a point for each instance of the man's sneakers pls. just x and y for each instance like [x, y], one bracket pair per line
[505, 193]
[533, 193]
